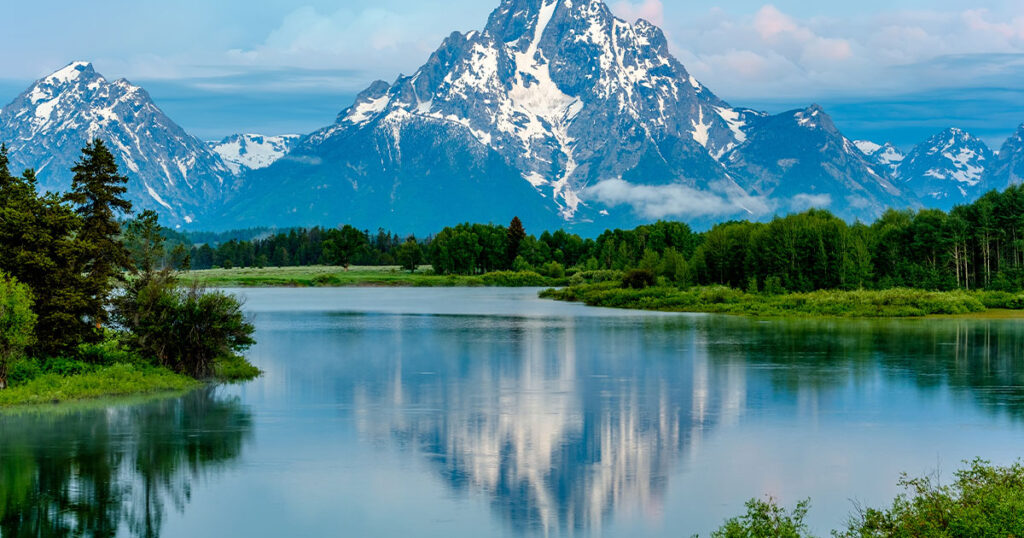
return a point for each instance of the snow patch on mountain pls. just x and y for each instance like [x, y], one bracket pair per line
[867, 147]
[246, 152]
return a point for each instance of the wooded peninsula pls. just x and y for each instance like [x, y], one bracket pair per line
[86, 307]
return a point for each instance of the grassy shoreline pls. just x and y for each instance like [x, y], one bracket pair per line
[117, 381]
[893, 303]
[338, 277]
[108, 382]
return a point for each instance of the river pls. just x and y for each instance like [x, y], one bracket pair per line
[490, 412]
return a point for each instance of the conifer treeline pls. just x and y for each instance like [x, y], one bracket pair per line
[65, 248]
[980, 245]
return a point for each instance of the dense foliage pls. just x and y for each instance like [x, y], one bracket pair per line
[184, 329]
[976, 246]
[61, 260]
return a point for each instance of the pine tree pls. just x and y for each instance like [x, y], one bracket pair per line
[97, 191]
[38, 246]
[516, 235]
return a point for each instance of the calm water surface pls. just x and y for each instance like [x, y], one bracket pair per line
[482, 412]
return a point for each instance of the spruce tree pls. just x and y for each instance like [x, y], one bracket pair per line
[516, 236]
[97, 192]
[38, 246]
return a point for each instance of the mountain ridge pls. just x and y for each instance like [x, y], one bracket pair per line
[557, 111]
[593, 113]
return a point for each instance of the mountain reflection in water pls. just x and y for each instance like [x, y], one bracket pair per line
[562, 424]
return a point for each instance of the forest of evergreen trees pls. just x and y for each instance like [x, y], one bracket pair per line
[980, 245]
[83, 283]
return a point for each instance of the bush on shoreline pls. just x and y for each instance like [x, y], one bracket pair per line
[983, 500]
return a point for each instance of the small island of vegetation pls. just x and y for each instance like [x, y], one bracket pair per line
[87, 309]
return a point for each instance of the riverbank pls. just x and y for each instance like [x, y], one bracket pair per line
[106, 382]
[80, 382]
[330, 276]
[893, 303]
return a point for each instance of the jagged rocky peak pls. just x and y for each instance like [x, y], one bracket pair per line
[565, 92]
[550, 101]
[815, 117]
[169, 171]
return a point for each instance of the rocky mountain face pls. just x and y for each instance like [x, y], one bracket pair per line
[561, 111]
[246, 152]
[800, 160]
[170, 171]
[1008, 167]
[947, 169]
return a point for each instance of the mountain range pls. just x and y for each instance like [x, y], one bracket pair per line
[557, 111]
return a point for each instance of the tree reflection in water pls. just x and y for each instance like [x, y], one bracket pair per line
[95, 471]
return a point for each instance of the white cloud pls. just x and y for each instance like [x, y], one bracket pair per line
[676, 200]
[803, 202]
[650, 10]
[769, 53]
[372, 38]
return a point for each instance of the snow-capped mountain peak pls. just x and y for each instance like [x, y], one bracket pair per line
[536, 83]
[948, 167]
[169, 170]
[245, 152]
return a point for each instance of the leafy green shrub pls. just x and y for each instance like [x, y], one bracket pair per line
[1001, 299]
[235, 368]
[553, 269]
[766, 519]
[982, 501]
[65, 367]
[719, 295]
[638, 279]
[24, 370]
[184, 329]
[17, 323]
[111, 350]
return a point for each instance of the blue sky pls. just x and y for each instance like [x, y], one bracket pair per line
[887, 70]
